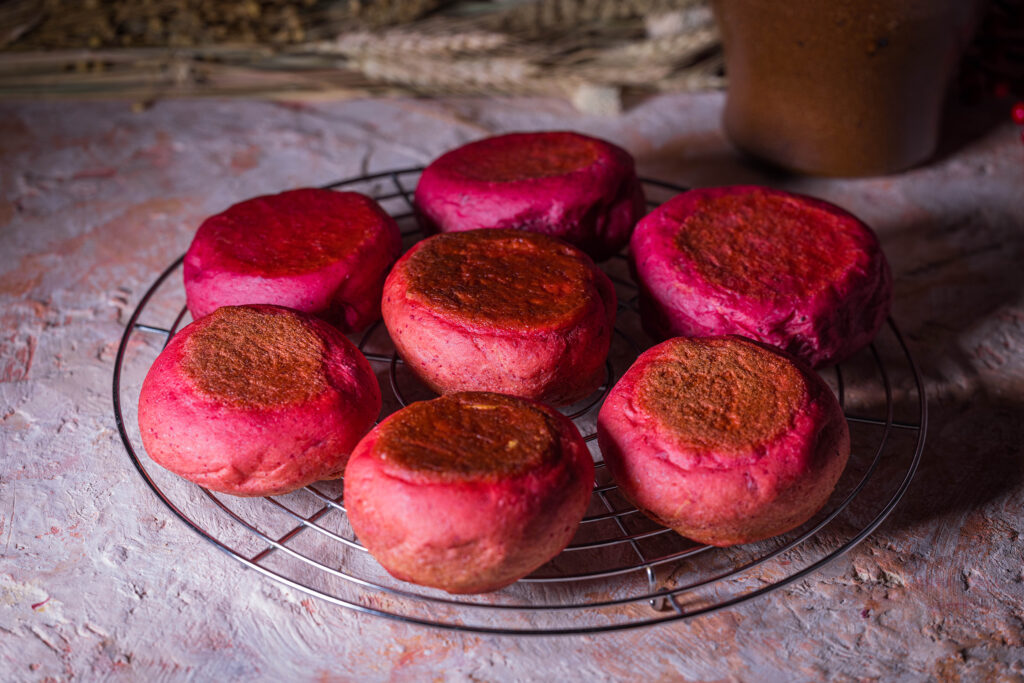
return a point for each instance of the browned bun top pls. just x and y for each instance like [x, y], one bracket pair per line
[722, 394]
[522, 156]
[470, 436]
[255, 356]
[758, 241]
[504, 277]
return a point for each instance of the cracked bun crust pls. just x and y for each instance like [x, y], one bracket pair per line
[257, 401]
[578, 188]
[318, 251]
[468, 492]
[723, 439]
[501, 310]
[791, 271]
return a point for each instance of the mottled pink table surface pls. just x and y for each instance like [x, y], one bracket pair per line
[98, 580]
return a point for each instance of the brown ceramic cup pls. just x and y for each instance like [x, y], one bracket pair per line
[842, 87]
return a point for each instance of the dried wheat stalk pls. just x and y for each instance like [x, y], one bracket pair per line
[504, 74]
[675, 49]
[186, 23]
[542, 17]
[585, 50]
[677, 21]
[443, 38]
[705, 75]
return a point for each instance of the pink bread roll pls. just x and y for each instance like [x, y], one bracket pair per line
[256, 401]
[318, 251]
[723, 439]
[501, 310]
[469, 492]
[567, 185]
[794, 272]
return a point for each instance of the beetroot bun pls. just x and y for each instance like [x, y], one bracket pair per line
[318, 251]
[501, 310]
[469, 492]
[794, 272]
[257, 401]
[567, 185]
[723, 439]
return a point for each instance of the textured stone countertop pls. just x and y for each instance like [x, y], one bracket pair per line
[99, 580]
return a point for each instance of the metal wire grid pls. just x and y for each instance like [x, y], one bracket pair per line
[608, 577]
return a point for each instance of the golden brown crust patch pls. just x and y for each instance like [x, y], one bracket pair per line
[755, 244]
[724, 395]
[530, 156]
[470, 436]
[504, 277]
[247, 357]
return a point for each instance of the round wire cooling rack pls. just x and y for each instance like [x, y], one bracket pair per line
[621, 570]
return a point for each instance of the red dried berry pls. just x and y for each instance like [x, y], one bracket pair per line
[1018, 113]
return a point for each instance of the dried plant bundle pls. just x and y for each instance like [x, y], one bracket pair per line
[589, 51]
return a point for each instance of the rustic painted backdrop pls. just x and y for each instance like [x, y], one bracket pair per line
[98, 580]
